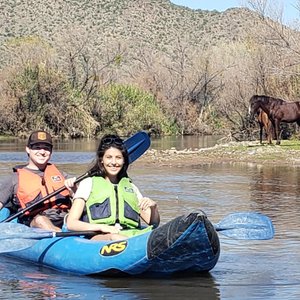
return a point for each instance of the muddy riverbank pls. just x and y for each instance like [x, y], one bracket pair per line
[244, 152]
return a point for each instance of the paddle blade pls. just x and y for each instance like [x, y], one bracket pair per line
[11, 237]
[246, 226]
[12, 245]
[137, 145]
[14, 228]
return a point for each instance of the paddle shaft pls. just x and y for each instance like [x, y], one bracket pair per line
[42, 235]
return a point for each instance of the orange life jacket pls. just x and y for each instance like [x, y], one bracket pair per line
[32, 188]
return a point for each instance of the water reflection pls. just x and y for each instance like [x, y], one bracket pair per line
[90, 145]
[184, 142]
[30, 282]
[198, 287]
[83, 150]
[276, 191]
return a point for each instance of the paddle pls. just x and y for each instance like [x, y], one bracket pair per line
[136, 146]
[246, 226]
[243, 225]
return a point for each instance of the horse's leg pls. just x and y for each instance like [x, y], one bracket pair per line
[260, 133]
[268, 129]
[265, 121]
[270, 132]
[277, 131]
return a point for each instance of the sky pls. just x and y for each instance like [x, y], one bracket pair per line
[290, 13]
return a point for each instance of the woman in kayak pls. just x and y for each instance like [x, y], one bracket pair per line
[109, 202]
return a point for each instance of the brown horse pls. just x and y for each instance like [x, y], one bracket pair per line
[264, 123]
[277, 110]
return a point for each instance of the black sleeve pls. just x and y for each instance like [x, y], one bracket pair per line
[8, 189]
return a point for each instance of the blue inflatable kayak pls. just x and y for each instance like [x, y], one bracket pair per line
[185, 244]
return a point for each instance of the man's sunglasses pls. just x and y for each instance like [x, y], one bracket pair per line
[40, 147]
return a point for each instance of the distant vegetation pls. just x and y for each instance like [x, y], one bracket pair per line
[82, 68]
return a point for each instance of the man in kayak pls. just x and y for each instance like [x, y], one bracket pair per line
[31, 182]
[110, 202]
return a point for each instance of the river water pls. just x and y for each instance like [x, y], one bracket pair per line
[246, 269]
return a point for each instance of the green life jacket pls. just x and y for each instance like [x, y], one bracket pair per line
[110, 204]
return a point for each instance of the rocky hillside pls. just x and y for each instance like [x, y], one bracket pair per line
[155, 23]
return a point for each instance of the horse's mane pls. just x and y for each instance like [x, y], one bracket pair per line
[266, 99]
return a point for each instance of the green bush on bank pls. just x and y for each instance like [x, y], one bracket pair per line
[126, 109]
[42, 97]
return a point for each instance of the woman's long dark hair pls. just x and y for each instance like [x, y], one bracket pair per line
[110, 141]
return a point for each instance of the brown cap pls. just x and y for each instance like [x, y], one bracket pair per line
[40, 137]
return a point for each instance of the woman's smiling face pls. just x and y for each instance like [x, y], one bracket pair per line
[112, 162]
